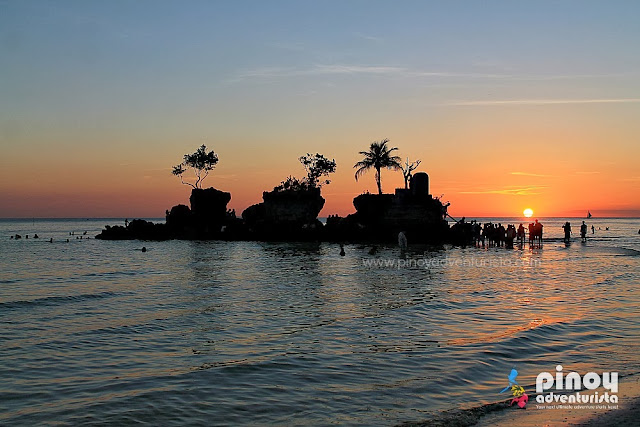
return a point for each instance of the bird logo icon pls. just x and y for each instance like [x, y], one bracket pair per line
[519, 395]
[512, 380]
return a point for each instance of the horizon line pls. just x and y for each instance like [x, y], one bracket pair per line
[159, 217]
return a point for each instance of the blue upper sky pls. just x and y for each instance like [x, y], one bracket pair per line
[189, 49]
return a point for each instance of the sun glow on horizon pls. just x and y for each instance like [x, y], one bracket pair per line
[528, 212]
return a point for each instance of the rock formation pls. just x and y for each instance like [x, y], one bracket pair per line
[380, 217]
[204, 220]
[286, 215]
[292, 215]
[209, 209]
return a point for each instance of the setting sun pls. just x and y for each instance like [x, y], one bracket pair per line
[528, 212]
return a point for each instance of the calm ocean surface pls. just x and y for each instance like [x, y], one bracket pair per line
[227, 333]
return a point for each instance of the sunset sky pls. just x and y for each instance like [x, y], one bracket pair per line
[508, 104]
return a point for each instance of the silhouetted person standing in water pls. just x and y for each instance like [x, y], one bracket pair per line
[583, 231]
[402, 241]
[502, 235]
[521, 234]
[511, 234]
[342, 253]
[567, 231]
[535, 233]
[593, 230]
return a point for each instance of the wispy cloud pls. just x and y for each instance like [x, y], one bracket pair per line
[353, 69]
[282, 72]
[518, 191]
[392, 71]
[357, 69]
[408, 72]
[532, 174]
[367, 37]
[587, 172]
[544, 101]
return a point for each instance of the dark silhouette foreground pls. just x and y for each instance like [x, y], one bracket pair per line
[291, 214]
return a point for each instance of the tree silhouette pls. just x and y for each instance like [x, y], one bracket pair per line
[407, 168]
[378, 157]
[292, 183]
[316, 166]
[201, 162]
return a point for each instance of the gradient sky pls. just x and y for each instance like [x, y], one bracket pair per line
[509, 104]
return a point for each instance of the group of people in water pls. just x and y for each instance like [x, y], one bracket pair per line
[583, 231]
[35, 236]
[498, 235]
[490, 234]
[26, 236]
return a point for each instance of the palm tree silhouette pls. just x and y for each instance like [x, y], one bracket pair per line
[378, 157]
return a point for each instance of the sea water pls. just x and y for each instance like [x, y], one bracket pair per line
[227, 333]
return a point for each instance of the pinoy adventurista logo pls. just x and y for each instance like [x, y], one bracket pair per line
[517, 391]
[574, 382]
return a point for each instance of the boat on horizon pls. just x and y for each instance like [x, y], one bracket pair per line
[589, 214]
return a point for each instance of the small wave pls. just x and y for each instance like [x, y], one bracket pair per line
[619, 251]
[543, 327]
[127, 329]
[578, 239]
[628, 252]
[461, 417]
[57, 300]
[111, 273]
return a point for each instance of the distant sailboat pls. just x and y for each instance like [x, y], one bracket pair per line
[589, 215]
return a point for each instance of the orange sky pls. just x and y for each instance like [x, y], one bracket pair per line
[558, 160]
[508, 106]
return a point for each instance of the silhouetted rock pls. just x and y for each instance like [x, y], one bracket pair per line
[254, 215]
[178, 216]
[180, 221]
[209, 209]
[412, 211]
[293, 207]
[286, 215]
[291, 215]
[205, 220]
[419, 183]
[136, 229]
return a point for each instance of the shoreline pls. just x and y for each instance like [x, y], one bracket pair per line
[501, 414]
[628, 411]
